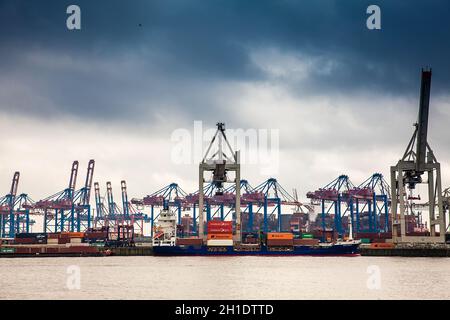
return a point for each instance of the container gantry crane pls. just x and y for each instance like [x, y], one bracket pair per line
[115, 217]
[249, 198]
[215, 202]
[59, 209]
[407, 173]
[24, 207]
[336, 194]
[82, 201]
[270, 193]
[131, 212]
[370, 201]
[172, 196]
[101, 212]
[8, 219]
[219, 164]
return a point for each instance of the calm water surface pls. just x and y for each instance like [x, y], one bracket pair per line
[227, 278]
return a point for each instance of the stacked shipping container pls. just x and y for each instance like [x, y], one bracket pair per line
[280, 239]
[30, 238]
[91, 236]
[220, 233]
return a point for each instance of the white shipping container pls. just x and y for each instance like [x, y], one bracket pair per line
[75, 240]
[220, 243]
[68, 245]
[52, 241]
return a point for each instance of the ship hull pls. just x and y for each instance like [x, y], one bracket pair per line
[332, 250]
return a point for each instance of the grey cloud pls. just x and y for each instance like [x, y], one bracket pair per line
[185, 51]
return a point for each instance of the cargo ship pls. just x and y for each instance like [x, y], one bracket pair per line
[219, 242]
[348, 248]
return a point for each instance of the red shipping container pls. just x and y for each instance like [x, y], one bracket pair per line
[28, 250]
[306, 242]
[25, 241]
[96, 235]
[63, 240]
[82, 249]
[25, 250]
[373, 235]
[220, 230]
[222, 224]
[189, 242]
[63, 250]
[52, 250]
[36, 250]
[280, 243]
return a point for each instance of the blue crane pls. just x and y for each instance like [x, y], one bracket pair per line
[336, 193]
[8, 223]
[59, 208]
[170, 196]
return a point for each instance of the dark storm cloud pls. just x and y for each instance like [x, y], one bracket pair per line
[136, 58]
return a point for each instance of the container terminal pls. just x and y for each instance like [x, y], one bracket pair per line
[227, 215]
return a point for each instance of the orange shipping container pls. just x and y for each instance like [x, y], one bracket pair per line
[221, 236]
[280, 235]
[382, 245]
[73, 234]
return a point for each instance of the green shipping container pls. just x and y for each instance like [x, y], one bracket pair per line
[7, 250]
[307, 236]
[365, 240]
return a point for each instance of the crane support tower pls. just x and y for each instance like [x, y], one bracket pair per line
[219, 164]
[9, 223]
[418, 159]
[446, 205]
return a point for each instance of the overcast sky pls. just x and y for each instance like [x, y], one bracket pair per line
[341, 97]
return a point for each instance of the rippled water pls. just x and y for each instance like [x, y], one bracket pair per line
[227, 278]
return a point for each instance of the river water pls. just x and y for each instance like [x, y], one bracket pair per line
[225, 278]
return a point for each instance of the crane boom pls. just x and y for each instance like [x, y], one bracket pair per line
[125, 202]
[422, 123]
[88, 182]
[73, 176]
[14, 185]
[110, 197]
[98, 199]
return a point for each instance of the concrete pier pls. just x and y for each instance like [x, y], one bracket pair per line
[408, 250]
